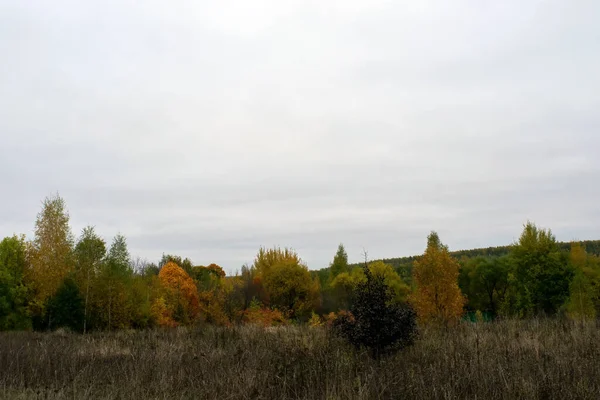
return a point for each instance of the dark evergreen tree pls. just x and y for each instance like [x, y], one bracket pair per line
[66, 308]
[375, 321]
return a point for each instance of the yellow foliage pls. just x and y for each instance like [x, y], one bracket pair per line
[51, 252]
[286, 281]
[345, 283]
[315, 320]
[161, 313]
[437, 298]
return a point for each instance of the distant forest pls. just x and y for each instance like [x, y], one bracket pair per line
[403, 265]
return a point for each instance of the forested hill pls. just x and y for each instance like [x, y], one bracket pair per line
[591, 246]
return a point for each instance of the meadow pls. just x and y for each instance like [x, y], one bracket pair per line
[510, 359]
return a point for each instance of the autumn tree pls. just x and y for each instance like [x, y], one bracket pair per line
[342, 288]
[179, 303]
[90, 250]
[583, 290]
[542, 275]
[287, 282]
[184, 263]
[437, 298]
[248, 287]
[13, 291]
[213, 293]
[51, 253]
[207, 277]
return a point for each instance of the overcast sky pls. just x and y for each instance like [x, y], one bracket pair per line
[210, 129]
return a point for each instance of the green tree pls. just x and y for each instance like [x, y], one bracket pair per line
[51, 253]
[376, 320]
[66, 307]
[580, 304]
[90, 250]
[484, 281]
[111, 302]
[339, 264]
[542, 275]
[13, 292]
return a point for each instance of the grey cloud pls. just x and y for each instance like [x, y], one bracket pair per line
[209, 130]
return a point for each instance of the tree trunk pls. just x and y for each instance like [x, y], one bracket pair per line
[87, 295]
[109, 306]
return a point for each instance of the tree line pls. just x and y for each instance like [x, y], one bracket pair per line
[83, 283]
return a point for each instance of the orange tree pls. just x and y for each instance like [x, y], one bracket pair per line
[178, 303]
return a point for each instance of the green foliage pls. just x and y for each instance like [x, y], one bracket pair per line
[111, 304]
[339, 264]
[542, 275]
[13, 292]
[580, 304]
[345, 284]
[118, 259]
[484, 281]
[207, 278]
[185, 263]
[66, 307]
[90, 251]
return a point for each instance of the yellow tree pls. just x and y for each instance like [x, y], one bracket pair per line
[437, 298]
[287, 282]
[51, 252]
[580, 304]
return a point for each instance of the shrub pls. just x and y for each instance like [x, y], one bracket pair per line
[258, 315]
[375, 321]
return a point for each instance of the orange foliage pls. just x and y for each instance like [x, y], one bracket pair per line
[217, 270]
[181, 296]
[264, 317]
[329, 318]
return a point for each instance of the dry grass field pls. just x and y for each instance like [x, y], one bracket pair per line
[536, 359]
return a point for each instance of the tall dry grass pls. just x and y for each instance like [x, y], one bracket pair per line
[538, 359]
